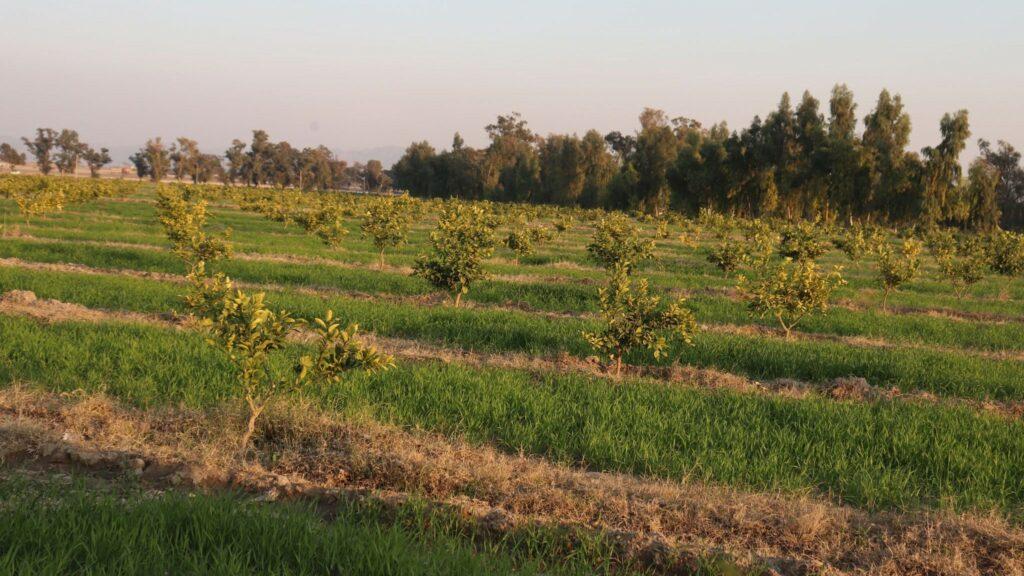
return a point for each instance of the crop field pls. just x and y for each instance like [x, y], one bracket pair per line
[538, 414]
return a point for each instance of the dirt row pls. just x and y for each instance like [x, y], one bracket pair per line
[302, 453]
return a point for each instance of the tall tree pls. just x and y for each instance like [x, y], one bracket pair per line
[185, 157]
[942, 171]
[561, 170]
[891, 170]
[656, 150]
[1010, 189]
[982, 196]
[41, 148]
[416, 170]
[846, 175]
[598, 169]
[460, 172]
[11, 156]
[152, 160]
[513, 167]
[810, 183]
[96, 160]
[236, 158]
[69, 150]
[374, 176]
[781, 149]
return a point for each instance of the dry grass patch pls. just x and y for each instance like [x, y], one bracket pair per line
[301, 450]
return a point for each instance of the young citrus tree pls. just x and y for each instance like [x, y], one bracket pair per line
[183, 219]
[896, 269]
[1007, 250]
[40, 196]
[522, 239]
[564, 223]
[464, 237]
[965, 266]
[790, 291]
[804, 240]
[761, 242]
[728, 256]
[327, 222]
[250, 334]
[854, 242]
[633, 318]
[387, 222]
[617, 244]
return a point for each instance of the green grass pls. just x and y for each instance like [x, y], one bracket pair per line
[71, 527]
[944, 373]
[888, 454]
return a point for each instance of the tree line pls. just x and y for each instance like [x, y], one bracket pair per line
[63, 150]
[796, 162]
[262, 162]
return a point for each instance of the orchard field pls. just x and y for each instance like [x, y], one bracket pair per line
[516, 396]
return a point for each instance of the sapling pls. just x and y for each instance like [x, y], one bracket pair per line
[183, 219]
[854, 242]
[464, 237]
[1007, 251]
[633, 318]
[790, 291]
[965, 266]
[564, 223]
[327, 222]
[522, 239]
[728, 256]
[250, 334]
[387, 221]
[617, 244]
[896, 269]
[802, 241]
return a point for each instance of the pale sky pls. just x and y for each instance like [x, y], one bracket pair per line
[356, 75]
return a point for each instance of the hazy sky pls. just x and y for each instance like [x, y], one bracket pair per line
[358, 75]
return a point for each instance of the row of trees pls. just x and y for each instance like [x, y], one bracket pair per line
[63, 150]
[796, 162]
[260, 163]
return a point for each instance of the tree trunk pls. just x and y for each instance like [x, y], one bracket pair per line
[618, 365]
[254, 413]
[382, 259]
[458, 298]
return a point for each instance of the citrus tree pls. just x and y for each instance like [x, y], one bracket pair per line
[564, 223]
[251, 334]
[633, 318]
[965, 266]
[617, 244]
[856, 242]
[463, 239]
[728, 256]
[790, 291]
[183, 217]
[327, 222]
[897, 268]
[804, 240]
[522, 239]
[387, 221]
[1007, 251]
